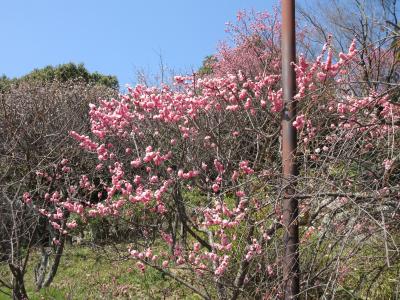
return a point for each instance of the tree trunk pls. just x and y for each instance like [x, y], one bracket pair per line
[19, 291]
[42, 277]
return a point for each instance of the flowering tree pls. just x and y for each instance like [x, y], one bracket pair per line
[34, 116]
[195, 168]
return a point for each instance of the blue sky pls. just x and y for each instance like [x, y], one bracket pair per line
[114, 37]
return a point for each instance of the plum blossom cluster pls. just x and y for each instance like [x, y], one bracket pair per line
[216, 139]
[139, 139]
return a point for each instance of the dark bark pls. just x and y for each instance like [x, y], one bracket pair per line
[42, 277]
[18, 288]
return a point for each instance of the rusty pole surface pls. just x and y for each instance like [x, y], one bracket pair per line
[291, 267]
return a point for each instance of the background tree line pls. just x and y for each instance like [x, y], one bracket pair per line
[348, 155]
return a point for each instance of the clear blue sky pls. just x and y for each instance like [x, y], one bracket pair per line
[114, 37]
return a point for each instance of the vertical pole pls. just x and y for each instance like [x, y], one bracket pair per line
[291, 268]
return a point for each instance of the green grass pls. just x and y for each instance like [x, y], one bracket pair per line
[85, 274]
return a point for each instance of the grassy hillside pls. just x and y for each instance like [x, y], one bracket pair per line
[87, 274]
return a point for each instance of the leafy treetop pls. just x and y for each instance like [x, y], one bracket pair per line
[63, 73]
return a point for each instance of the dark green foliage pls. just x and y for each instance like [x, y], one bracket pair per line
[70, 71]
[207, 66]
[62, 73]
[5, 83]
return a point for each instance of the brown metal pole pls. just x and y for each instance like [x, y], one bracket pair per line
[291, 268]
